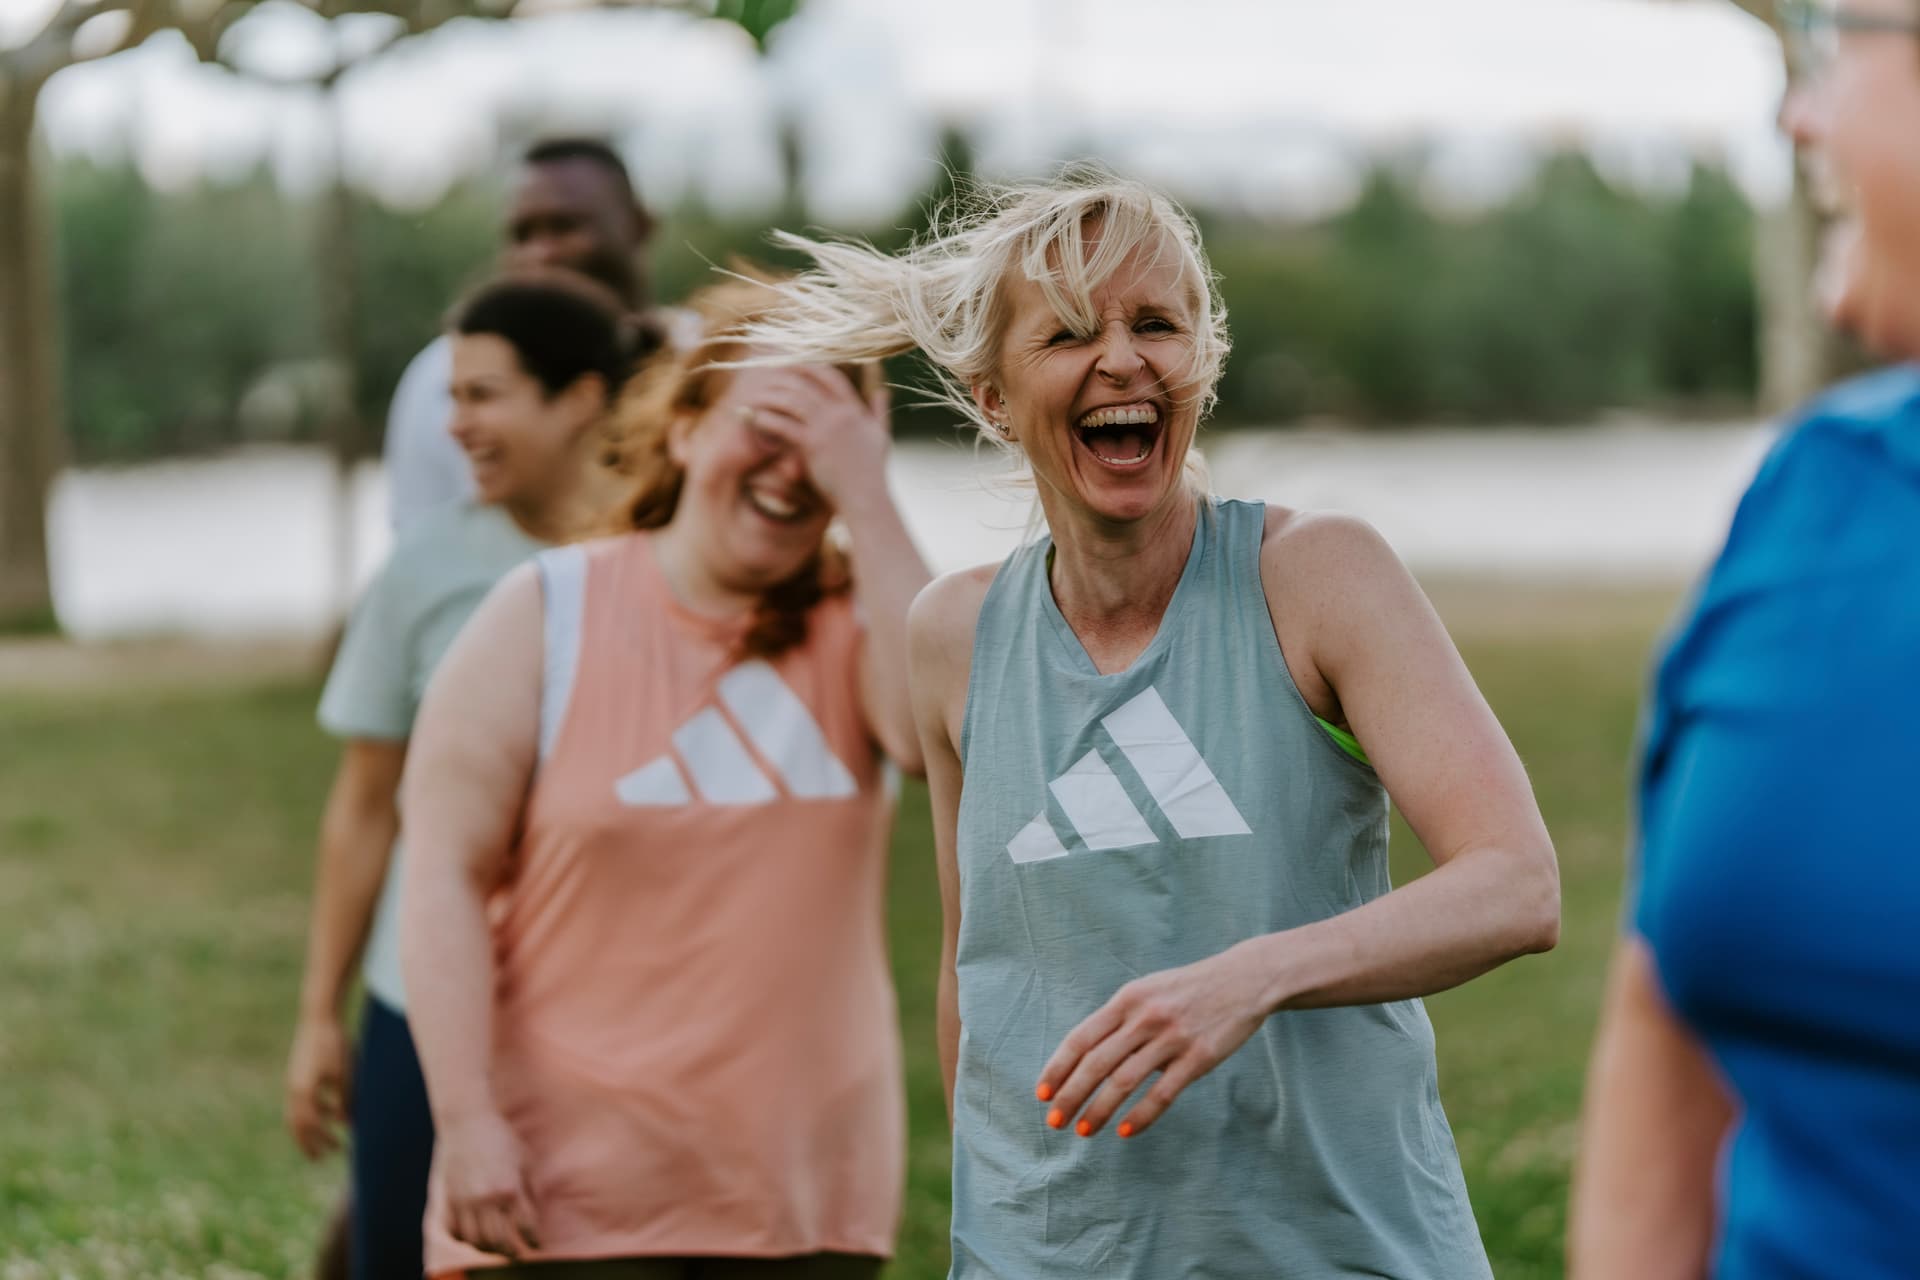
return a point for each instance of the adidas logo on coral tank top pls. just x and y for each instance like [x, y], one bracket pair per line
[708, 752]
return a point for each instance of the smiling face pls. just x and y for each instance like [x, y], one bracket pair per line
[1104, 406]
[757, 515]
[1858, 120]
[576, 215]
[520, 442]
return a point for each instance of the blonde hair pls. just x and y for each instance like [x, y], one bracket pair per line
[685, 382]
[945, 295]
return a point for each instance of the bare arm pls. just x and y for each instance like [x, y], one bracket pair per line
[1365, 647]
[1388, 668]
[845, 441]
[356, 843]
[940, 646]
[888, 574]
[474, 749]
[1656, 1119]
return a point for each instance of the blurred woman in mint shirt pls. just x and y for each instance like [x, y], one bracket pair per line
[1753, 1108]
[536, 360]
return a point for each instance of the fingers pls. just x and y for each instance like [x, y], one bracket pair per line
[496, 1229]
[775, 426]
[1120, 1084]
[482, 1225]
[1180, 1073]
[465, 1222]
[309, 1134]
[526, 1227]
[501, 1224]
[1102, 1023]
[314, 1114]
[809, 391]
[798, 392]
[1093, 1071]
[1101, 1062]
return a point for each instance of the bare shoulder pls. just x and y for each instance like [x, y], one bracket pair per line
[1313, 551]
[943, 615]
[515, 604]
[1335, 589]
[940, 642]
[503, 644]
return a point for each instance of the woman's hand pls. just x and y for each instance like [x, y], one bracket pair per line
[317, 1085]
[843, 438]
[488, 1205]
[1181, 1023]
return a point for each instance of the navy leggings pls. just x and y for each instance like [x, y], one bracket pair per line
[392, 1149]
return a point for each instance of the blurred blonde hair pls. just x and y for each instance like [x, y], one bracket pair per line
[945, 295]
[685, 382]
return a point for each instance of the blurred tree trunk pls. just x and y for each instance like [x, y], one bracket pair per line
[29, 374]
[30, 408]
[1798, 351]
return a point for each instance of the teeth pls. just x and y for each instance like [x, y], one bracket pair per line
[768, 504]
[1145, 448]
[1126, 415]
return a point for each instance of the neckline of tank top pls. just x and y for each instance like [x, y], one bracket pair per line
[725, 631]
[1206, 513]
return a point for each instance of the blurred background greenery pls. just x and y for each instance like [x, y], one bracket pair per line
[189, 319]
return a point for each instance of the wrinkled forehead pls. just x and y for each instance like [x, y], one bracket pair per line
[1077, 266]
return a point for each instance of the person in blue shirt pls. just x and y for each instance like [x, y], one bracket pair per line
[1753, 1107]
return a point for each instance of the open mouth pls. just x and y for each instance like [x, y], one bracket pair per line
[484, 457]
[781, 505]
[1120, 435]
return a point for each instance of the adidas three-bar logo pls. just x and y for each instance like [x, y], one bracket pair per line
[1176, 775]
[784, 733]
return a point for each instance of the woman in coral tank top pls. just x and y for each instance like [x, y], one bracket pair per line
[642, 923]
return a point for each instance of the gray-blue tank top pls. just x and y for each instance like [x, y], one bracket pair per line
[1112, 826]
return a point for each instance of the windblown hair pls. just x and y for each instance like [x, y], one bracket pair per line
[685, 382]
[945, 295]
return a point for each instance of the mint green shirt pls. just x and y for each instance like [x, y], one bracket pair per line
[403, 625]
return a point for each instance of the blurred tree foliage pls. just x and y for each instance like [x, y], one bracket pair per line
[190, 317]
[1571, 299]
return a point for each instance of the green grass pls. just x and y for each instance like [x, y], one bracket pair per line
[29, 622]
[155, 853]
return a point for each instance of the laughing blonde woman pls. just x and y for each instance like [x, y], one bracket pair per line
[1179, 999]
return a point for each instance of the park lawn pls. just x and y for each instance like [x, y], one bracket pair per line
[155, 854]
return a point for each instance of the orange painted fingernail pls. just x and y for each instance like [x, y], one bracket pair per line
[1044, 1092]
[1084, 1129]
[1056, 1118]
[1126, 1129]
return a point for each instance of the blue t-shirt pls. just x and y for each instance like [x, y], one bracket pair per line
[1779, 874]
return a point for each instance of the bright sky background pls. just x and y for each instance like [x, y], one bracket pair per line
[1260, 103]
